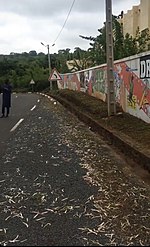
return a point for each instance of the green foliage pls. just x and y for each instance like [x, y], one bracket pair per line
[21, 68]
[118, 39]
[123, 46]
[41, 85]
[142, 40]
[130, 46]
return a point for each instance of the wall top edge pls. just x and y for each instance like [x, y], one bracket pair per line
[115, 62]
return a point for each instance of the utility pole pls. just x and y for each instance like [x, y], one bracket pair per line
[49, 62]
[110, 60]
[49, 65]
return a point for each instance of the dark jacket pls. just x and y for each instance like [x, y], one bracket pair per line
[6, 95]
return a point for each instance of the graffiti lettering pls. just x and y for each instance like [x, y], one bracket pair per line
[145, 67]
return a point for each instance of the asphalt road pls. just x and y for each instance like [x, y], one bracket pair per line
[22, 107]
[61, 185]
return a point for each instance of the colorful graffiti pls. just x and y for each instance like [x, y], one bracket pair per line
[131, 84]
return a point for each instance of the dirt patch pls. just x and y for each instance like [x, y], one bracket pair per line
[137, 130]
[125, 132]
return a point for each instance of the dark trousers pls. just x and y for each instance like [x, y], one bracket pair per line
[3, 110]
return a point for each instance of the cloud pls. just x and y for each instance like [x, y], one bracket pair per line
[24, 24]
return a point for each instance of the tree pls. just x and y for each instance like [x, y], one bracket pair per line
[143, 40]
[118, 39]
[130, 46]
[123, 46]
[33, 53]
[81, 60]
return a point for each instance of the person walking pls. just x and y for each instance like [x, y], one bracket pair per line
[6, 90]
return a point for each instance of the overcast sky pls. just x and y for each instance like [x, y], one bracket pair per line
[24, 24]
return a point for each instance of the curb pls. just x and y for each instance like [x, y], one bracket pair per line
[121, 143]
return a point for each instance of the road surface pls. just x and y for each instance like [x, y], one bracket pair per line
[61, 185]
[22, 107]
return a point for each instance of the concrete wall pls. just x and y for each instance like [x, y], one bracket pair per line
[131, 21]
[144, 14]
[131, 80]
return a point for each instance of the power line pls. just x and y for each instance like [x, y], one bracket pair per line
[65, 21]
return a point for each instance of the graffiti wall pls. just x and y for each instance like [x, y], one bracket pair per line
[131, 81]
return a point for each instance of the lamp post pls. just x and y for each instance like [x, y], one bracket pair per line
[49, 60]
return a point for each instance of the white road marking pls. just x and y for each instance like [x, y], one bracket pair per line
[33, 108]
[17, 124]
[38, 100]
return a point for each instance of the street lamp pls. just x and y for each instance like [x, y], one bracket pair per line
[49, 60]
